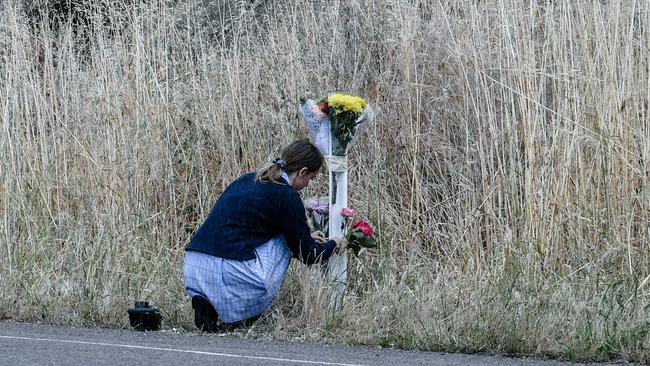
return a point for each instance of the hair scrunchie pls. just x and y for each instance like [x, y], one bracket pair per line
[281, 163]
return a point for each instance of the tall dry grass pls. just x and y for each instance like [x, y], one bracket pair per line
[506, 171]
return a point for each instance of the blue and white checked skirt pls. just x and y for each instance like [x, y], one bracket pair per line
[238, 289]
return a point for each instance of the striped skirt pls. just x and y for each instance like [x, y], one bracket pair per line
[238, 289]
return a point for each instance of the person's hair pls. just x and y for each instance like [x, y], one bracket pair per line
[299, 154]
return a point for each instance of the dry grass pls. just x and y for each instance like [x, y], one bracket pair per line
[506, 170]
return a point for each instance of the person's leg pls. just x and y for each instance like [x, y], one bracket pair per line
[205, 317]
[272, 262]
[199, 273]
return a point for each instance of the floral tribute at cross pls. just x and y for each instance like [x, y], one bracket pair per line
[334, 122]
[340, 114]
[360, 235]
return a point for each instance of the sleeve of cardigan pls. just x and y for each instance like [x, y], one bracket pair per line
[294, 228]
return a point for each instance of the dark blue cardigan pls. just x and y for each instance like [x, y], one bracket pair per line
[249, 213]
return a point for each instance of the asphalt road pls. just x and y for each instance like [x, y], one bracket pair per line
[37, 344]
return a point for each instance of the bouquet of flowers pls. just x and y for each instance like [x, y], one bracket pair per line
[339, 113]
[360, 235]
[318, 213]
[340, 116]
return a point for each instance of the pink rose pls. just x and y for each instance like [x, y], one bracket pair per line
[365, 227]
[348, 212]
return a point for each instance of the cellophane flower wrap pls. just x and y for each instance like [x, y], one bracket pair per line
[341, 114]
[319, 124]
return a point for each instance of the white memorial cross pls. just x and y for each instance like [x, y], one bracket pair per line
[320, 127]
[337, 266]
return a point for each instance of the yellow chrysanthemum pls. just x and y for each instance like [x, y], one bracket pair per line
[342, 103]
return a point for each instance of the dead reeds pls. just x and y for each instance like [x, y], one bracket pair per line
[506, 170]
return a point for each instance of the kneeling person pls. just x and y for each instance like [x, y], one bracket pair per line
[238, 258]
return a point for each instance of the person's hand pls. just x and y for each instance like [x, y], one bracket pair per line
[318, 236]
[341, 244]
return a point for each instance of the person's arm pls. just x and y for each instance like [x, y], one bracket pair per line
[294, 228]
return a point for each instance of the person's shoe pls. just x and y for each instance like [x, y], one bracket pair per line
[205, 317]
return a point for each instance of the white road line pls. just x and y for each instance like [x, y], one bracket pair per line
[183, 351]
